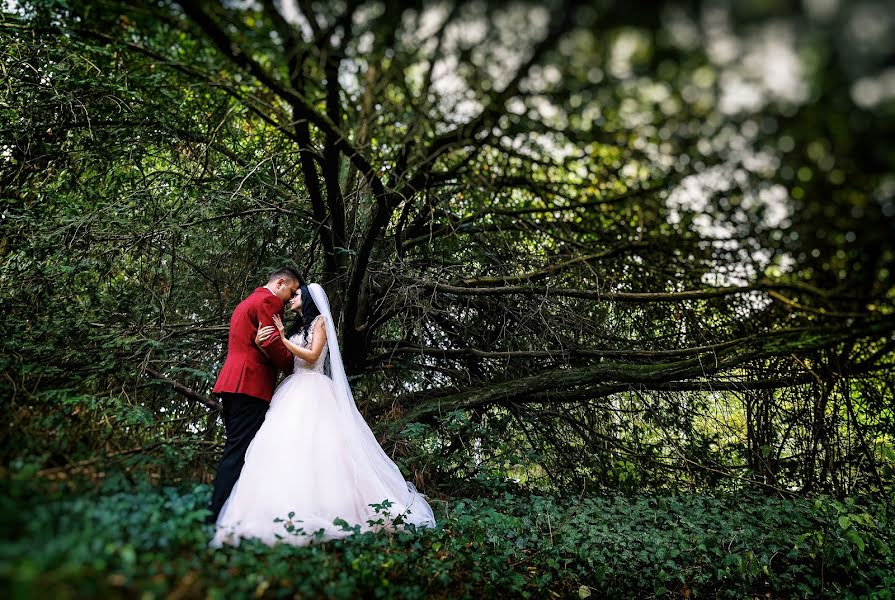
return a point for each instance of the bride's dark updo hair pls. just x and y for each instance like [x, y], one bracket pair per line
[309, 311]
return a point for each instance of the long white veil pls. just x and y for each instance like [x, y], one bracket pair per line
[362, 439]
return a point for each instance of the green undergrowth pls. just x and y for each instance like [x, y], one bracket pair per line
[135, 540]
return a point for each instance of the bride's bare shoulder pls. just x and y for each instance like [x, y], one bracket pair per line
[319, 326]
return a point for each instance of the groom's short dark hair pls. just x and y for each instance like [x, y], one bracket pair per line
[288, 273]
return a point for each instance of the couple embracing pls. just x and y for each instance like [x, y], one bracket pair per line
[300, 456]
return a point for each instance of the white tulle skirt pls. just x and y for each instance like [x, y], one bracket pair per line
[308, 461]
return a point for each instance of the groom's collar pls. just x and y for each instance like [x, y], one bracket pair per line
[269, 290]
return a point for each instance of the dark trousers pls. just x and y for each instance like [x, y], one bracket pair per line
[243, 416]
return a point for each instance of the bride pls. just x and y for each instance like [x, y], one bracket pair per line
[315, 460]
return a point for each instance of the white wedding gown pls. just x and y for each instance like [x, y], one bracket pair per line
[315, 460]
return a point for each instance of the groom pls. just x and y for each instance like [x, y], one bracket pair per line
[246, 382]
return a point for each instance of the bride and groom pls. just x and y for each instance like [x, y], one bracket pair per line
[299, 457]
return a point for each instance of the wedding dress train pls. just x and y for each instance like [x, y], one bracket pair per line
[315, 460]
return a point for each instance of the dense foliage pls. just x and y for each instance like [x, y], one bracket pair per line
[606, 248]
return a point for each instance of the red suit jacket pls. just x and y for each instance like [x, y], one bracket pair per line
[247, 370]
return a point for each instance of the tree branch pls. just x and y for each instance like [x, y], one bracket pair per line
[633, 297]
[580, 383]
[185, 391]
[220, 39]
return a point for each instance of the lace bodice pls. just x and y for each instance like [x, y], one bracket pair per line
[299, 364]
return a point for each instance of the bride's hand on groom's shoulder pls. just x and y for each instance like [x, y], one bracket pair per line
[263, 333]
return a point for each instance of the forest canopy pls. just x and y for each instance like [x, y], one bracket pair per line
[621, 246]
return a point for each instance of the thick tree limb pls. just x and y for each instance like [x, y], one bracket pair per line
[606, 378]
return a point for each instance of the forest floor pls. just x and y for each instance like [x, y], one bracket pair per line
[124, 540]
